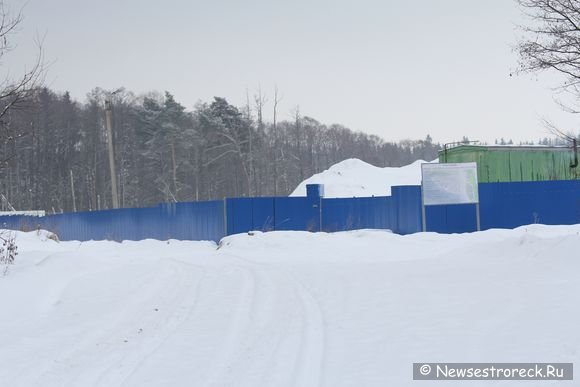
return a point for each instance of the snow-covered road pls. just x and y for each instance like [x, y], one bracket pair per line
[287, 308]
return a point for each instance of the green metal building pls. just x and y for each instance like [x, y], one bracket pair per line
[516, 163]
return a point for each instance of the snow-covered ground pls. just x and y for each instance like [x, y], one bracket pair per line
[288, 308]
[354, 177]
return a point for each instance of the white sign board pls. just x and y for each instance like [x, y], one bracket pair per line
[449, 183]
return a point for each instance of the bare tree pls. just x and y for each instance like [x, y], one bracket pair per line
[15, 92]
[552, 41]
[277, 100]
[260, 101]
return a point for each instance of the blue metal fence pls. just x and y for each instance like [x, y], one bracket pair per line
[448, 219]
[274, 213]
[188, 221]
[297, 213]
[502, 205]
[509, 205]
[400, 212]
[357, 213]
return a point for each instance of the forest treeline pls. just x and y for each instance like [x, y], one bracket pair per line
[57, 147]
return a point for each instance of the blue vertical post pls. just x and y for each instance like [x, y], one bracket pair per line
[225, 217]
[314, 194]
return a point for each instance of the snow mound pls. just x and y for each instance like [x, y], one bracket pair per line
[354, 177]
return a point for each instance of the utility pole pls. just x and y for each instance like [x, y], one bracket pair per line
[72, 190]
[109, 124]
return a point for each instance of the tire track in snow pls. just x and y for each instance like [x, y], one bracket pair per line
[310, 359]
[116, 349]
[136, 359]
[240, 323]
[308, 352]
[273, 328]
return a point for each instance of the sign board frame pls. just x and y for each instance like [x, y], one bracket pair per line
[468, 171]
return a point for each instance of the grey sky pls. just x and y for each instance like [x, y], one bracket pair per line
[399, 69]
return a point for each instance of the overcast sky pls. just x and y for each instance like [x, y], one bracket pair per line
[399, 69]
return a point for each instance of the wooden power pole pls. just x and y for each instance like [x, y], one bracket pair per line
[109, 124]
[72, 190]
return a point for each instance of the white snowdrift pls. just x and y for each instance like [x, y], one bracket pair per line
[354, 177]
[287, 308]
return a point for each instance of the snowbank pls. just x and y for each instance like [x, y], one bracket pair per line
[354, 177]
[287, 308]
[38, 213]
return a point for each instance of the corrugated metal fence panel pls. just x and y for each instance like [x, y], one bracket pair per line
[150, 224]
[247, 214]
[407, 202]
[193, 220]
[297, 213]
[117, 225]
[213, 229]
[339, 214]
[263, 214]
[19, 222]
[509, 205]
[239, 215]
[451, 219]
[188, 221]
[356, 213]
[269, 213]
[97, 225]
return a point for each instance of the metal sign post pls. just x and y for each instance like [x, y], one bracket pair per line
[423, 212]
[477, 216]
